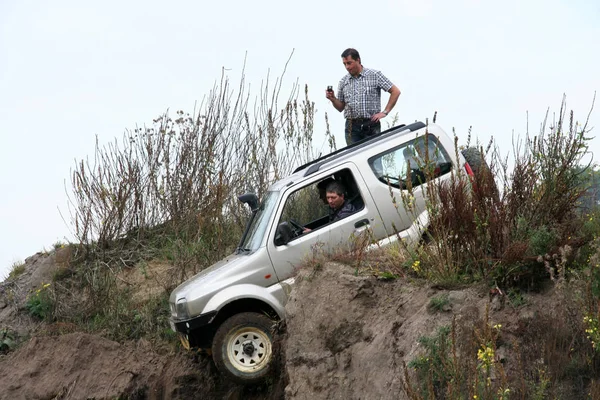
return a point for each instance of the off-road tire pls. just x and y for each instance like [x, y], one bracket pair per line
[253, 330]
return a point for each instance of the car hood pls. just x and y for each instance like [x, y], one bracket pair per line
[229, 271]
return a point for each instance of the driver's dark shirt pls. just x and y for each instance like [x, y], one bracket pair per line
[345, 210]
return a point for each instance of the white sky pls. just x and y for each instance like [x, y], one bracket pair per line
[70, 70]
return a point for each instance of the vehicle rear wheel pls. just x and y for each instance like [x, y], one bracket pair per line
[243, 347]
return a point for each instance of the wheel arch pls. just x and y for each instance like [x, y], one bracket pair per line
[245, 305]
[254, 300]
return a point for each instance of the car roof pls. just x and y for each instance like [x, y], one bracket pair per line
[346, 153]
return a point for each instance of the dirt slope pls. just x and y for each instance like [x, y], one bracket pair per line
[55, 361]
[79, 365]
[348, 335]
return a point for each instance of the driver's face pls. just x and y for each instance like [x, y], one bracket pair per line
[334, 200]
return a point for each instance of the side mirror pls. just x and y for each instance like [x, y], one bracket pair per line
[251, 199]
[283, 234]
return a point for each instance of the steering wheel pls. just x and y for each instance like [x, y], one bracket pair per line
[298, 228]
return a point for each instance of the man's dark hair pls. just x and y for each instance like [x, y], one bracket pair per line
[337, 188]
[352, 53]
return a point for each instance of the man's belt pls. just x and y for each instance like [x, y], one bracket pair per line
[359, 120]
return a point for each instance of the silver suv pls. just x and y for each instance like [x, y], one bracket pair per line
[230, 308]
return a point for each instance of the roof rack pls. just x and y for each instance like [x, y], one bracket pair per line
[314, 165]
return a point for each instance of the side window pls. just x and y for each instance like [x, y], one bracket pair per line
[304, 206]
[312, 207]
[414, 162]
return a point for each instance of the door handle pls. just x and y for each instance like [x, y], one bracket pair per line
[362, 222]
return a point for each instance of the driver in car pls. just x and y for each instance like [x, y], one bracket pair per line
[338, 206]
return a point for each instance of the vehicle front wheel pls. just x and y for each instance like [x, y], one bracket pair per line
[243, 347]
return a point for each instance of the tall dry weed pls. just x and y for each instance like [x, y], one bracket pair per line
[497, 223]
[169, 190]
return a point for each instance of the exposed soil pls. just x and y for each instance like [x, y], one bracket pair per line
[347, 337]
[56, 361]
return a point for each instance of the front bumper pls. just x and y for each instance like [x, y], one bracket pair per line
[192, 324]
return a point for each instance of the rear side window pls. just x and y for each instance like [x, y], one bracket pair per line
[415, 161]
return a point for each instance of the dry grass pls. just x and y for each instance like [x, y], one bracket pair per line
[168, 192]
[496, 224]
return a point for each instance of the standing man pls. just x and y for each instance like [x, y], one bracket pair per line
[359, 96]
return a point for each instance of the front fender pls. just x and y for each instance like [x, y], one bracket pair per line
[273, 295]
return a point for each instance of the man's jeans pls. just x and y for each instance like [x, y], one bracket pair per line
[359, 129]
[355, 131]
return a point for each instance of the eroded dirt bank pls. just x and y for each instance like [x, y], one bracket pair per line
[348, 336]
[56, 361]
[79, 366]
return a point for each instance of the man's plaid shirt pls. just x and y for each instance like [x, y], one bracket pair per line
[362, 94]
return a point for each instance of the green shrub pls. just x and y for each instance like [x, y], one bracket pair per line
[438, 303]
[541, 241]
[434, 368]
[40, 304]
[445, 372]
[515, 297]
[7, 340]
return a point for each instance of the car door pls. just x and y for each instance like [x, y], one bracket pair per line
[399, 177]
[304, 205]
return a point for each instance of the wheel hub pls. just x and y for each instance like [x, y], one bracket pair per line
[248, 348]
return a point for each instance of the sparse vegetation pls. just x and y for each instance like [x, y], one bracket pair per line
[438, 303]
[16, 269]
[40, 304]
[7, 340]
[530, 233]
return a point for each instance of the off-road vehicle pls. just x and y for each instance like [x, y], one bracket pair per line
[230, 308]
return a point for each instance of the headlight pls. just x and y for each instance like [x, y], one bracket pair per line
[181, 311]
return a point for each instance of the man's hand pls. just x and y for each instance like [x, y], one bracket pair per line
[330, 95]
[337, 104]
[378, 116]
[394, 94]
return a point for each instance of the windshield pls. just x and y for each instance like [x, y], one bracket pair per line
[260, 222]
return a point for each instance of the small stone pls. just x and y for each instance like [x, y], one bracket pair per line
[497, 303]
